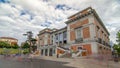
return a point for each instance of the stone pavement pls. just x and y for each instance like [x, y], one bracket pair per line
[11, 62]
[53, 62]
[84, 63]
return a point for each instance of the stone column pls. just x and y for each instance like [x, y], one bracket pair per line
[53, 51]
[62, 38]
[56, 50]
[43, 52]
[58, 39]
[68, 33]
[53, 39]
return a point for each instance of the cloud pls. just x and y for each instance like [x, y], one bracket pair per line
[6, 19]
[19, 16]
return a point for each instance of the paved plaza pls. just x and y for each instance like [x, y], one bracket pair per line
[85, 62]
[53, 62]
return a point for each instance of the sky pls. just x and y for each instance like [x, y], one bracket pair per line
[19, 16]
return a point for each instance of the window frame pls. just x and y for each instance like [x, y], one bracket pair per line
[81, 32]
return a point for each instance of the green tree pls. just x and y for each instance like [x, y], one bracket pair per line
[25, 45]
[4, 44]
[33, 41]
[117, 46]
[15, 46]
[118, 38]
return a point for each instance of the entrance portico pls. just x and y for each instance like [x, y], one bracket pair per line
[48, 51]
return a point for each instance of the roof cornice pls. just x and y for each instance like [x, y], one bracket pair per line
[86, 14]
[79, 17]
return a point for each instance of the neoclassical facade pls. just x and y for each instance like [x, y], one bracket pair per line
[85, 34]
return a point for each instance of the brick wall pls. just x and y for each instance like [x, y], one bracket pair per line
[76, 25]
[60, 51]
[88, 48]
[101, 29]
[86, 32]
[72, 35]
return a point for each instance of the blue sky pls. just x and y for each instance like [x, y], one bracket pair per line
[19, 16]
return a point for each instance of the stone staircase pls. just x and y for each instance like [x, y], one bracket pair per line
[66, 55]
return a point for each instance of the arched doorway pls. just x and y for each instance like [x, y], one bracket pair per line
[46, 52]
[50, 52]
[42, 52]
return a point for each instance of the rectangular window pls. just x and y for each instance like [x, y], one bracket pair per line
[103, 37]
[98, 31]
[56, 38]
[52, 39]
[78, 33]
[65, 35]
[60, 36]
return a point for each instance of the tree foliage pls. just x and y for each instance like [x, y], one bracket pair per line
[25, 45]
[117, 46]
[4, 44]
[7, 45]
[118, 38]
[33, 40]
[15, 46]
